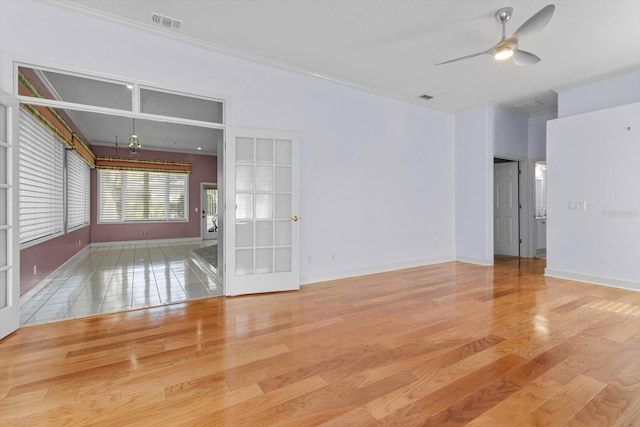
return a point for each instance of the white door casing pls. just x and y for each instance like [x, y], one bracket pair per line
[9, 252]
[262, 200]
[506, 235]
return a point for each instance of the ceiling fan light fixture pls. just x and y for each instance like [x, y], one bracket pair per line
[504, 53]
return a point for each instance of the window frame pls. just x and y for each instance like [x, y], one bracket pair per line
[124, 177]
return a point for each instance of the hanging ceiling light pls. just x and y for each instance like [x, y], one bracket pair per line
[134, 142]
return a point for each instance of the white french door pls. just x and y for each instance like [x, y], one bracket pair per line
[262, 200]
[9, 278]
[506, 224]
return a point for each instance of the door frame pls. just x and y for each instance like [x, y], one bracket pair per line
[9, 64]
[526, 218]
[203, 221]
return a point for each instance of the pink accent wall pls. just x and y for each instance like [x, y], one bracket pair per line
[203, 169]
[49, 255]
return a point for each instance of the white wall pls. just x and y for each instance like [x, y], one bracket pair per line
[595, 158]
[474, 195]
[377, 177]
[508, 134]
[620, 90]
[537, 136]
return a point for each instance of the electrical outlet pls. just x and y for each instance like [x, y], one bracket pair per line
[309, 259]
[578, 205]
[333, 257]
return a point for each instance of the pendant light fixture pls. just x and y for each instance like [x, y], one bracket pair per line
[134, 142]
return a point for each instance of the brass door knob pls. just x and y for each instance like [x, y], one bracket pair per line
[295, 218]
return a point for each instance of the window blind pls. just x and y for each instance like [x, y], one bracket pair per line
[142, 196]
[77, 191]
[41, 192]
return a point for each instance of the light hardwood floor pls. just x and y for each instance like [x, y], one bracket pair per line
[450, 344]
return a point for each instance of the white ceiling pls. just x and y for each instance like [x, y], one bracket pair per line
[391, 46]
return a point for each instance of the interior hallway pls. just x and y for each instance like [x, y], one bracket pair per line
[109, 279]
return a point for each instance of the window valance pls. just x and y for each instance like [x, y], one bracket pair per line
[131, 164]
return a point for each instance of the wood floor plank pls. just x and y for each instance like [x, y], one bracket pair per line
[443, 345]
[563, 405]
[521, 402]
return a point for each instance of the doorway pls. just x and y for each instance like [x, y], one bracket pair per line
[506, 208]
[541, 209]
[176, 127]
[209, 204]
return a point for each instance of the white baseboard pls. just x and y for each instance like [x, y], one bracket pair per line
[472, 260]
[596, 280]
[316, 278]
[143, 242]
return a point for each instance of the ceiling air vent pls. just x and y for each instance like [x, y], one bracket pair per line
[529, 107]
[425, 96]
[166, 21]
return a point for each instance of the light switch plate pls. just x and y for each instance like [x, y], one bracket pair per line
[578, 205]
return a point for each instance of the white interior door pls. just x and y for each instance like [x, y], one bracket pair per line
[506, 235]
[209, 207]
[262, 232]
[9, 278]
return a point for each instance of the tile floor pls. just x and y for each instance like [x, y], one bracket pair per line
[118, 278]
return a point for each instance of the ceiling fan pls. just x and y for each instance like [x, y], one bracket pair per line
[508, 47]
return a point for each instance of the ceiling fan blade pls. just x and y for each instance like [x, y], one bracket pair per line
[522, 57]
[537, 22]
[463, 57]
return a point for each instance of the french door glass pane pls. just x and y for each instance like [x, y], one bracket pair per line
[3, 139]
[264, 233]
[283, 152]
[283, 233]
[3, 245]
[244, 150]
[4, 292]
[264, 206]
[283, 179]
[283, 260]
[244, 178]
[264, 178]
[264, 151]
[244, 206]
[283, 206]
[244, 234]
[3, 125]
[244, 261]
[3, 207]
[264, 261]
